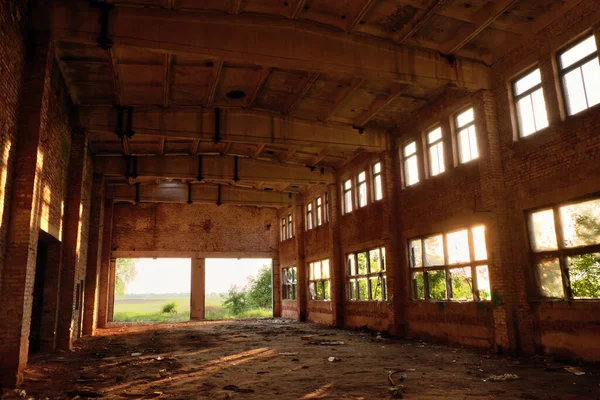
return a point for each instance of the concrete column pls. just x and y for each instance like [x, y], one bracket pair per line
[111, 289]
[92, 277]
[23, 228]
[302, 278]
[72, 228]
[276, 268]
[104, 284]
[337, 263]
[197, 296]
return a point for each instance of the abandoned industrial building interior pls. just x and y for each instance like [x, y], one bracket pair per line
[424, 176]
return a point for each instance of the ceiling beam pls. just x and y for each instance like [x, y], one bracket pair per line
[214, 82]
[483, 18]
[237, 6]
[213, 168]
[262, 77]
[205, 193]
[367, 5]
[167, 80]
[302, 92]
[115, 72]
[379, 104]
[237, 125]
[419, 19]
[318, 158]
[266, 41]
[341, 97]
[298, 9]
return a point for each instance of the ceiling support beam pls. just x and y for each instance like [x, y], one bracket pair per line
[266, 41]
[171, 192]
[262, 77]
[419, 19]
[298, 9]
[167, 80]
[363, 11]
[214, 82]
[342, 96]
[310, 82]
[484, 17]
[379, 104]
[237, 125]
[214, 168]
[237, 7]
[318, 158]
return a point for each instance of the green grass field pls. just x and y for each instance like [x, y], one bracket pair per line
[149, 310]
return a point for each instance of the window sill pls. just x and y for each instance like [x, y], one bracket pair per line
[369, 301]
[450, 301]
[565, 301]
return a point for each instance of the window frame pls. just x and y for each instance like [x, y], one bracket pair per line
[375, 176]
[562, 72]
[528, 93]
[283, 229]
[382, 275]
[318, 212]
[446, 267]
[285, 286]
[358, 184]
[290, 226]
[405, 160]
[326, 207]
[459, 129]
[319, 281]
[429, 146]
[309, 216]
[347, 210]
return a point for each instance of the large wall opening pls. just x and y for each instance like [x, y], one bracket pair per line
[238, 288]
[152, 290]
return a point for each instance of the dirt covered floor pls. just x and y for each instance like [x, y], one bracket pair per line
[282, 359]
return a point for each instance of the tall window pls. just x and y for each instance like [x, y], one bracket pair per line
[361, 189]
[326, 207]
[348, 196]
[435, 149]
[377, 188]
[580, 75]
[283, 229]
[411, 168]
[319, 214]
[318, 280]
[309, 216]
[466, 136]
[529, 103]
[289, 283]
[290, 226]
[366, 277]
[565, 240]
[451, 266]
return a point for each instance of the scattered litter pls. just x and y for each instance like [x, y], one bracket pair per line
[159, 358]
[20, 392]
[402, 377]
[307, 337]
[502, 378]
[398, 391]
[84, 393]
[328, 343]
[575, 371]
[295, 359]
[334, 359]
[288, 354]
[135, 354]
[234, 388]
[163, 373]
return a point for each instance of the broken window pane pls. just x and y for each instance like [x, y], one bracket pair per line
[320, 290]
[550, 278]
[362, 263]
[352, 289]
[351, 264]
[325, 269]
[376, 292]
[434, 251]
[462, 283]
[317, 270]
[458, 247]
[312, 292]
[543, 235]
[480, 249]
[418, 286]
[383, 266]
[581, 223]
[311, 271]
[584, 274]
[437, 284]
[483, 282]
[326, 290]
[375, 263]
[416, 253]
[363, 290]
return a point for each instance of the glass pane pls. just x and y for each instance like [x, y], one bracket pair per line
[320, 290]
[473, 142]
[362, 263]
[483, 283]
[526, 118]
[416, 253]
[317, 270]
[327, 290]
[581, 223]
[418, 285]
[311, 271]
[312, 293]
[351, 265]
[550, 278]
[411, 170]
[464, 118]
[528, 81]
[325, 269]
[376, 168]
[434, 251]
[591, 78]
[463, 146]
[436, 159]
[539, 109]
[458, 247]
[294, 275]
[377, 188]
[383, 258]
[575, 91]
[584, 274]
[462, 283]
[362, 177]
[376, 292]
[352, 289]
[437, 284]
[571, 56]
[363, 291]
[375, 262]
[434, 135]
[480, 250]
[348, 184]
[543, 235]
[348, 202]
[362, 195]
[410, 149]
[384, 288]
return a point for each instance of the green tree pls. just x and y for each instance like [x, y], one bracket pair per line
[584, 270]
[260, 288]
[124, 274]
[236, 301]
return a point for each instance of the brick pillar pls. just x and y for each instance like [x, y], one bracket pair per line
[51, 296]
[92, 277]
[197, 291]
[23, 228]
[276, 268]
[300, 260]
[336, 262]
[111, 289]
[104, 283]
[72, 227]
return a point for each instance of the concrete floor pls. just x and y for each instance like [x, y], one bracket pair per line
[283, 359]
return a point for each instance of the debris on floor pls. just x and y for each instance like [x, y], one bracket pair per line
[502, 378]
[334, 359]
[575, 371]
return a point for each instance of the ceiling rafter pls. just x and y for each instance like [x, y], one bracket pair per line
[419, 19]
[366, 7]
[214, 82]
[379, 104]
[309, 83]
[318, 158]
[259, 150]
[167, 80]
[262, 77]
[342, 96]
[298, 9]
[237, 7]
[287, 156]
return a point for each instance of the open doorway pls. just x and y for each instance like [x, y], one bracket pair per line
[152, 290]
[238, 288]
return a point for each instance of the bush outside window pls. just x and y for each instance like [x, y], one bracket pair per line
[565, 240]
[451, 266]
[366, 275]
[319, 280]
[289, 283]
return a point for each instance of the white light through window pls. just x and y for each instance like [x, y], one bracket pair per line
[530, 103]
[377, 189]
[361, 189]
[467, 137]
[348, 196]
[411, 168]
[435, 147]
